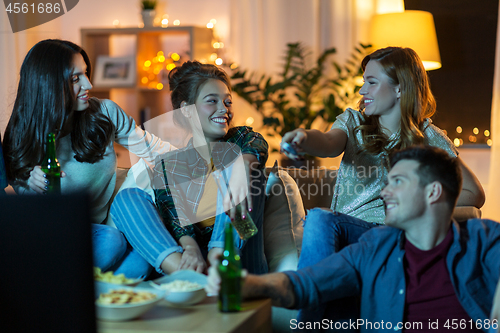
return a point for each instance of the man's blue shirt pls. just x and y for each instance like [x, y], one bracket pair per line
[373, 268]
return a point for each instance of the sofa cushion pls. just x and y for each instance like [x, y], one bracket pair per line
[283, 216]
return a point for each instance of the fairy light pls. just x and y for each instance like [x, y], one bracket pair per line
[159, 86]
[472, 138]
[213, 21]
[475, 130]
[486, 133]
[116, 23]
[147, 63]
[216, 45]
[459, 129]
[218, 61]
[456, 142]
[177, 22]
[170, 67]
[144, 80]
[210, 25]
[249, 121]
[175, 57]
[234, 65]
[213, 56]
[489, 142]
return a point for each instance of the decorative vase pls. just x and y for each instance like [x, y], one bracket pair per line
[148, 17]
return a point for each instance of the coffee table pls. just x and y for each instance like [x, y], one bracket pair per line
[255, 316]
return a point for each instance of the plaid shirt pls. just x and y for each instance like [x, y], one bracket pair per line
[3, 174]
[188, 172]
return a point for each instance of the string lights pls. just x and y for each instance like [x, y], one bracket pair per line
[474, 137]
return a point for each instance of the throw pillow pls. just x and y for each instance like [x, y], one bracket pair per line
[283, 216]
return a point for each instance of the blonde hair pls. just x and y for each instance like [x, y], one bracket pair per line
[404, 68]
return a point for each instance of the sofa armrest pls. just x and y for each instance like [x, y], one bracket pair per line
[463, 213]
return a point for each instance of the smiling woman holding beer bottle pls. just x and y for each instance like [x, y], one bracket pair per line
[53, 97]
[185, 225]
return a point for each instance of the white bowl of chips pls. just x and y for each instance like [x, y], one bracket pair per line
[182, 288]
[119, 303]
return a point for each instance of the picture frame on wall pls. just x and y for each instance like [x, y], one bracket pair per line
[114, 72]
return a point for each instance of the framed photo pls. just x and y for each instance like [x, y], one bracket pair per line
[114, 72]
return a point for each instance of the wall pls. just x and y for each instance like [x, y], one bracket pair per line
[93, 13]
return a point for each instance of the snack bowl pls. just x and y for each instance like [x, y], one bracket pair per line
[178, 297]
[128, 311]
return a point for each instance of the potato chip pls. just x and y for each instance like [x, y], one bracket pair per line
[122, 296]
[110, 277]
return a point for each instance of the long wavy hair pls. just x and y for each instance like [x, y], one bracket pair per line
[185, 83]
[44, 103]
[404, 67]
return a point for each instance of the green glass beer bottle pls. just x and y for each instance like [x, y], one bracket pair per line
[51, 167]
[230, 273]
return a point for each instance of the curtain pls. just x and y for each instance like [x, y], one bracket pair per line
[491, 208]
[260, 29]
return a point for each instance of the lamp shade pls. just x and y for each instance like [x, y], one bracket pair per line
[412, 28]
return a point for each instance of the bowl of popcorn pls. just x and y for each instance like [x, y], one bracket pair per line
[120, 303]
[182, 288]
[111, 277]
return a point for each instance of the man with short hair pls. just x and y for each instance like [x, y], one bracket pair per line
[421, 272]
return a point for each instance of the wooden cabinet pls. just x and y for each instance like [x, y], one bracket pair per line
[144, 44]
[149, 96]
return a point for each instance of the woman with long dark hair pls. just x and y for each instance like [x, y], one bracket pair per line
[53, 96]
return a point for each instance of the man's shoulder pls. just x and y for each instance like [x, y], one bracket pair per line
[479, 226]
[380, 236]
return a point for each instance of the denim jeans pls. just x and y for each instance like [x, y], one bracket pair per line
[325, 233]
[136, 215]
[112, 253]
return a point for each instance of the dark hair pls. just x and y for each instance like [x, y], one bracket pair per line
[44, 103]
[185, 82]
[435, 164]
[404, 68]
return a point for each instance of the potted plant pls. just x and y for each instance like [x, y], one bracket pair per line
[148, 12]
[299, 95]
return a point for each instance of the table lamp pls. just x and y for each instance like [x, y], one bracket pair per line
[411, 28]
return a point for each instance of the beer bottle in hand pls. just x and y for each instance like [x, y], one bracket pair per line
[230, 273]
[51, 167]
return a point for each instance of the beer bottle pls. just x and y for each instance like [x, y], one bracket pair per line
[51, 167]
[230, 273]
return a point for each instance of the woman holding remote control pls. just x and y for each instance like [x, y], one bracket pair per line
[394, 113]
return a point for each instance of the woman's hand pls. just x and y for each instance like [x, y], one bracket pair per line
[38, 181]
[240, 192]
[192, 259]
[240, 185]
[295, 138]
